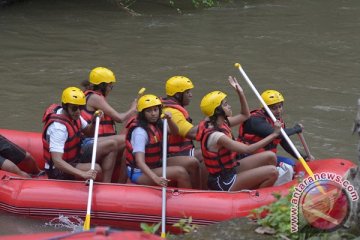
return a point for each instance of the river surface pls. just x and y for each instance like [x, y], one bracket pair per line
[308, 50]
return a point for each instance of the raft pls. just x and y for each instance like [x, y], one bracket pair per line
[98, 233]
[128, 205]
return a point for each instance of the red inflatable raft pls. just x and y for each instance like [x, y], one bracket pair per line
[128, 205]
[99, 233]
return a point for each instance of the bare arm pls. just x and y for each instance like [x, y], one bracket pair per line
[239, 147]
[98, 102]
[173, 128]
[192, 132]
[244, 108]
[67, 168]
[140, 162]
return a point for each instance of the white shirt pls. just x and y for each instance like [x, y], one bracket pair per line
[58, 134]
[139, 139]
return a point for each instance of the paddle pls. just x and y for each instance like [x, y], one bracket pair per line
[306, 147]
[300, 158]
[164, 159]
[93, 158]
[141, 92]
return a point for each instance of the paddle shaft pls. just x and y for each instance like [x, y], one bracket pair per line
[164, 159]
[301, 159]
[91, 183]
[303, 142]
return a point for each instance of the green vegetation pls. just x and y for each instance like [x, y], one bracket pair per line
[278, 218]
[185, 225]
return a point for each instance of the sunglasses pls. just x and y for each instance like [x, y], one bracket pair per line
[74, 108]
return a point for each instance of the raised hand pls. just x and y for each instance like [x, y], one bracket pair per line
[234, 83]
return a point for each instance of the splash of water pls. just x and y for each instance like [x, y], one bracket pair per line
[73, 223]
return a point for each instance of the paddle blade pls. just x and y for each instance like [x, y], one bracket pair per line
[87, 223]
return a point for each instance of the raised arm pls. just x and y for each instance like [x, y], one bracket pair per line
[244, 108]
[99, 102]
[239, 147]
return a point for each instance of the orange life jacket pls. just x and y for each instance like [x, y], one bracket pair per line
[153, 148]
[107, 124]
[223, 159]
[177, 143]
[249, 138]
[73, 143]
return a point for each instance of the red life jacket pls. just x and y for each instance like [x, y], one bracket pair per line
[223, 159]
[250, 138]
[107, 124]
[153, 150]
[177, 143]
[73, 143]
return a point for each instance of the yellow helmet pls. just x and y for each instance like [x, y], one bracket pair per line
[177, 84]
[271, 97]
[101, 75]
[211, 101]
[147, 101]
[73, 95]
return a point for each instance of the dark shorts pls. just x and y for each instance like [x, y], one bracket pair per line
[223, 181]
[10, 151]
[85, 157]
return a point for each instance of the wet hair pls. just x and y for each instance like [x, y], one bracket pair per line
[219, 111]
[143, 122]
[88, 86]
[179, 96]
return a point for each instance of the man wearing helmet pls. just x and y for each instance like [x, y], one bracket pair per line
[181, 149]
[260, 125]
[98, 87]
[62, 131]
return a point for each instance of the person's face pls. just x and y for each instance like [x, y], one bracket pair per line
[152, 114]
[74, 111]
[109, 87]
[226, 107]
[277, 109]
[187, 95]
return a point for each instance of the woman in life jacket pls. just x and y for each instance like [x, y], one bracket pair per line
[221, 153]
[143, 150]
[97, 88]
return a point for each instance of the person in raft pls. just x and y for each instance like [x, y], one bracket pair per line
[12, 155]
[181, 150]
[62, 132]
[97, 88]
[220, 150]
[260, 125]
[144, 146]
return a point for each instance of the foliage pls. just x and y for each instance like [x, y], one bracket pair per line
[278, 215]
[150, 228]
[186, 225]
[204, 3]
[278, 218]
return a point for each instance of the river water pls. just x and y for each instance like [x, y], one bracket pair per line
[305, 49]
